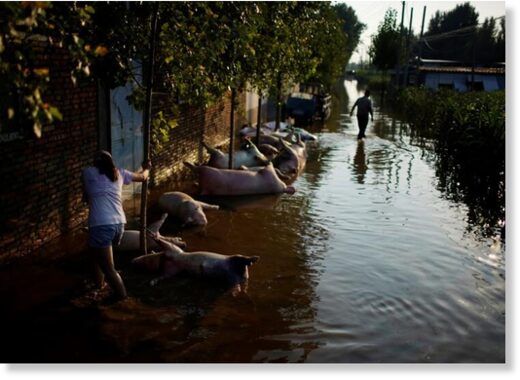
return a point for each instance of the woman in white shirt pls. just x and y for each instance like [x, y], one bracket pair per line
[102, 187]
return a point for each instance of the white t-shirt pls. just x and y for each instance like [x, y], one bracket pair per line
[104, 196]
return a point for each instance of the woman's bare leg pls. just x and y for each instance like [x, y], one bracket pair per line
[99, 277]
[105, 260]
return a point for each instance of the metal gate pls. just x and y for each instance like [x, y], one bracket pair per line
[126, 131]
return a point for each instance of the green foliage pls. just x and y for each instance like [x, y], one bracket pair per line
[490, 42]
[24, 26]
[468, 132]
[461, 16]
[487, 39]
[206, 48]
[329, 45]
[385, 43]
[351, 26]
[283, 49]
[160, 131]
[119, 34]
[471, 116]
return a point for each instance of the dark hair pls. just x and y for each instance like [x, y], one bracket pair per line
[367, 92]
[104, 163]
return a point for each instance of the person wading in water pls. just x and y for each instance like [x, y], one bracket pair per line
[102, 189]
[364, 107]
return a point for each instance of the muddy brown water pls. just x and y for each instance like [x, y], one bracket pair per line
[366, 262]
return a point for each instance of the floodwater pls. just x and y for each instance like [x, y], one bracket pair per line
[367, 262]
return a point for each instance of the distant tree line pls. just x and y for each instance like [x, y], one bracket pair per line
[464, 39]
[452, 35]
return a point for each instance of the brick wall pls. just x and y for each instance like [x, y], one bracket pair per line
[195, 125]
[40, 196]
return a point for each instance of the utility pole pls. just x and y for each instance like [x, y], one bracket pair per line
[423, 18]
[259, 118]
[408, 49]
[473, 59]
[147, 123]
[232, 128]
[278, 101]
[421, 42]
[410, 25]
[398, 71]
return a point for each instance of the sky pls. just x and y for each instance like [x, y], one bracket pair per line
[372, 13]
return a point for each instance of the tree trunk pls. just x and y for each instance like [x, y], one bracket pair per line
[232, 129]
[259, 119]
[146, 125]
[278, 101]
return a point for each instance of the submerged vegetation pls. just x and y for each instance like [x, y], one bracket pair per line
[468, 135]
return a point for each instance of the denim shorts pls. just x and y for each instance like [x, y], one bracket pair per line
[105, 236]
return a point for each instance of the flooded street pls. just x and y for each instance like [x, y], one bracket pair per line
[367, 262]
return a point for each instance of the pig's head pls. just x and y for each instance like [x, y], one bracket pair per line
[269, 151]
[238, 265]
[254, 154]
[287, 160]
[195, 215]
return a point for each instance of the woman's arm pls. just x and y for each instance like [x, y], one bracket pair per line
[141, 175]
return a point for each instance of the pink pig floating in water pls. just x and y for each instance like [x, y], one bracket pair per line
[185, 209]
[213, 181]
[248, 155]
[130, 240]
[230, 269]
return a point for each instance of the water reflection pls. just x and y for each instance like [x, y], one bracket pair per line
[481, 189]
[360, 166]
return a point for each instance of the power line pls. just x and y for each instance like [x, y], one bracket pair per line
[451, 33]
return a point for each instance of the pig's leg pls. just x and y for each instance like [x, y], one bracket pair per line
[206, 206]
[175, 240]
[154, 229]
[164, 242]
[155, 226]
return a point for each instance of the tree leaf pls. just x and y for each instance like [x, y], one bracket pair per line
[56, 114]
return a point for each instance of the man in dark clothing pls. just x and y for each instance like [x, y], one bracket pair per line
[364, 107]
